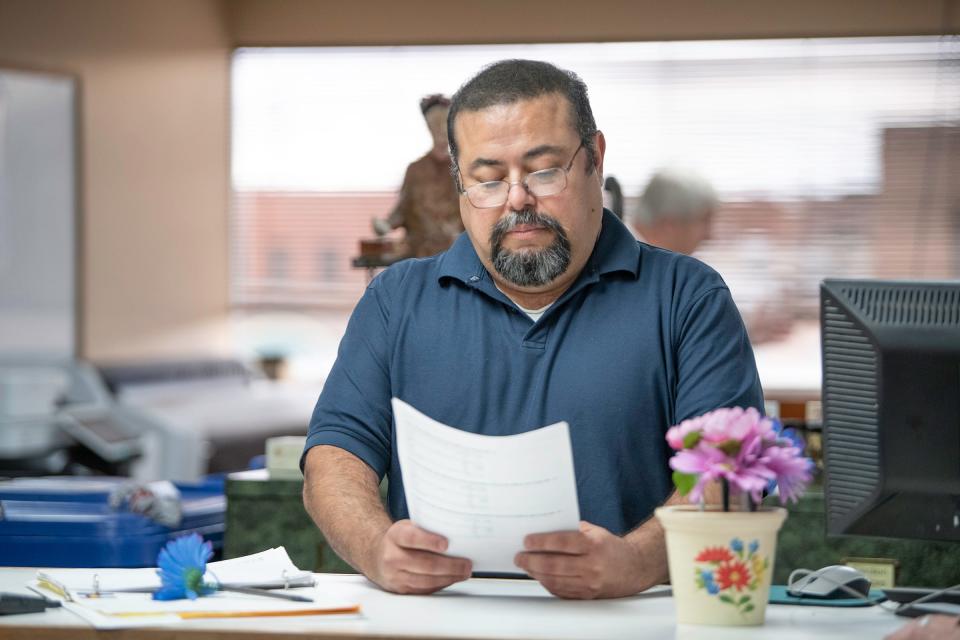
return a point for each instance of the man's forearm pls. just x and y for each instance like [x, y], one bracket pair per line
[342, 495]
[650, 545]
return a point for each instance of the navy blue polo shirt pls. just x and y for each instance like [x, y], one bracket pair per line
[643, 339]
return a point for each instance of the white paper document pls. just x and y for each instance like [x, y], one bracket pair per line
[270, 569]
[110, 598]
[126, 610]
[486, 493]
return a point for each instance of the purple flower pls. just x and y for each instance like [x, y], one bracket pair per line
[791, 470]
[181, 565]
[742, 449]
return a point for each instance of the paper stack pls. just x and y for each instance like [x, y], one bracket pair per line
[118, 598]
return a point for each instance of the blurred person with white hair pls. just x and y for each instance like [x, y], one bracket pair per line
[676, 212]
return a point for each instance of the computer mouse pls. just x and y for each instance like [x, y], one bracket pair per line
[825, 583]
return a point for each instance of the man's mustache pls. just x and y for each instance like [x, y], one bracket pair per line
[515, 219]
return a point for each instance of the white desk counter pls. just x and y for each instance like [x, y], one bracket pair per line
[479, 608]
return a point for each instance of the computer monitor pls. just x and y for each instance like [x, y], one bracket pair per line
[891, 408]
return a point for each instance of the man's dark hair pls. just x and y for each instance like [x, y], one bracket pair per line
[510, 81]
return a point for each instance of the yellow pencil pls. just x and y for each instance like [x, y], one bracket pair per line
[195, 615]
[187, 615]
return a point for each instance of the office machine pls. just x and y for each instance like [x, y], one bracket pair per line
[891, 408]
[55, 414]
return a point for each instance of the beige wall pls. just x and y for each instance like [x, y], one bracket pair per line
[155, 140]
[155, 115]
[303, 22]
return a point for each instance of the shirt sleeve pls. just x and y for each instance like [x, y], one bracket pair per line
[353, 410]
[715, 363]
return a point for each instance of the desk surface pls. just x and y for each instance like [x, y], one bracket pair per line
[478, 608]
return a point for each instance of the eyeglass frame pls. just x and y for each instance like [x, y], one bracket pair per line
[566, 172]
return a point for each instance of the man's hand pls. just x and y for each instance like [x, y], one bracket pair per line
[930, 627]
[341, 493]
[409, 559]
[586, 564]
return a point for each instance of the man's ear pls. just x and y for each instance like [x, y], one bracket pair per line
[600, 147]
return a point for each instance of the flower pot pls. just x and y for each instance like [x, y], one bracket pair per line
[720, 562]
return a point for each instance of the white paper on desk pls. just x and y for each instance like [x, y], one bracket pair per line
[485, 493]
[268, 569]
[128, 610]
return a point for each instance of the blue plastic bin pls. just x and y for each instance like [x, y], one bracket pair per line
[68, 522]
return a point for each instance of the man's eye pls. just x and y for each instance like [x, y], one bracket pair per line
[546, 176]
[489, 186]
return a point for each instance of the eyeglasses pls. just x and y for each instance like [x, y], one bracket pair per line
[540, 184]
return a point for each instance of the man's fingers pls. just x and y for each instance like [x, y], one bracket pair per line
[570, 588]
[415, 550]
[431, 564]
[405, 533]
[549, 564]
[412, 561]
[571, 542]
[414, 571]
[420, 583]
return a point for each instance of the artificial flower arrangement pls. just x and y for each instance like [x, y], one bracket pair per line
[747, 454]
[743, 450]
[181, 566]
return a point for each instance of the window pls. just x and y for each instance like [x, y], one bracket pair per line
[277, 265]
[833, 157]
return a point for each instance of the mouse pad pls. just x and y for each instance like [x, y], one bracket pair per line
[779, 595]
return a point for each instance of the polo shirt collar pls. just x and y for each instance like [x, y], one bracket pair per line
[615, 250]
[461, 262]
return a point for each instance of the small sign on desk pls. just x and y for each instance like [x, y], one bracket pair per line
[882, 572]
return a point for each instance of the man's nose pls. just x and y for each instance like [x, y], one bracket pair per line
[519, 197]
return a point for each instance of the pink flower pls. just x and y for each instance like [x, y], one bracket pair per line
[741, 448]
[676, 435]
[706, 463]
[735, 424]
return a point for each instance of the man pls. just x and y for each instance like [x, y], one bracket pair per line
[428, 207]
[676, 210]
[546, 309]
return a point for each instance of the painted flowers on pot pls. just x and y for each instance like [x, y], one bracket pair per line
[733, 573]
[743, 450]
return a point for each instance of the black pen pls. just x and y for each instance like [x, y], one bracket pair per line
[264, 592]
[253, 591]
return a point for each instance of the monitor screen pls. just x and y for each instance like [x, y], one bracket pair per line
[891, 408]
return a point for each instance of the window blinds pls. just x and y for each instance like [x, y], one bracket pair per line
[833, 157]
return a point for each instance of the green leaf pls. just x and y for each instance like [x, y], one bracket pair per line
[684, 482]
[691, 439]
[748, 608]
[725, 598]
[744, 599]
